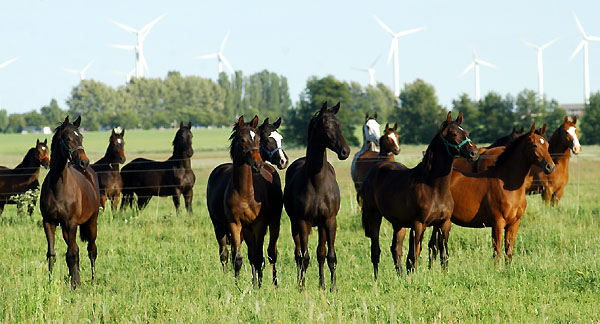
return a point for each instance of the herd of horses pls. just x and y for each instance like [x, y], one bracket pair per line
[455, 182]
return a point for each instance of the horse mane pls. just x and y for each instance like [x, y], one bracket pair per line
[510, 148]
[53, 145]
[311, 125]
[27, 157]
[233, 137]
[427, 163]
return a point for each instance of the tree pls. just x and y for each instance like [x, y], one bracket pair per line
[34, 118]
[53, 113]
[16, 123]
[590, 123]
[496, 117]
[3, 120]
[471, 114]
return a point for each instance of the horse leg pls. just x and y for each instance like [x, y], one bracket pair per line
[497, 239]
[372, 225]
[1, 208]
[88, 233]
[396, 247]
[546, 194]
[70, 236]
[103, 200]
[221, 235]
[142, 201]
[416, 236]
[304, 255]
[272, 249]
[557, 195]
[236, 254]
[442, 243]
[321, 255]
[249, 235]
[330, 231]
[510, 233]
[433, 245]
[127, 200]
[259, 255]
[187, 198]
[176, 201]
[50, 229]
[31, 208]
[114, 202]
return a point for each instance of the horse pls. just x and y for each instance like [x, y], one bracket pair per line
[465, 165]
[417, 197]
[496, 197]
[173, 177]
[267, 191]
[312, 196]
[389, 147]
[70, 197]
[371, 137]
[107, 169]
[505, 140]
[24, 176]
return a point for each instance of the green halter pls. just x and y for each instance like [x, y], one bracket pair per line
[454, 146]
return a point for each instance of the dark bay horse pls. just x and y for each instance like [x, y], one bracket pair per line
[107, 169]
[70, 197]
[417, 197]
[496, 197]
[389, 147]
[484, 154]
[171, 178]
[312, 196]
[371, 135]
[267, 191]
[25, 175]
[563, 141]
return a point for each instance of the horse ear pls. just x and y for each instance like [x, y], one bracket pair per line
[532, 130]
[277, 123]
[189, 125]
[324, 107]
[77, 121]
[45, 141]
[66, 120]
[543, 129]
[387, 126]
[254, 122]
[459, 118]
[266, 122]
[574, 119]
[566, 119]
[395, 126]
[449, 117]
[123, 132]
[37, 142]
[375, 116]
[522, 130]
[366, 117]
[241, 121]
[113, 132]
[514, 131]
[180, 124]
[336, 108]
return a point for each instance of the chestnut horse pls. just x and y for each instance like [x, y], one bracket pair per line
[107, 169]
[371, 137]
[312, 196]
[267, 191]
[24, 176]
[70, 197]
[171, 178]
[496, 197]
[389, 147]
[465, 165]
[563, 141]
[417, 197]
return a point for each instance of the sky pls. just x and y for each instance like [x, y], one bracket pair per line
[297, 39]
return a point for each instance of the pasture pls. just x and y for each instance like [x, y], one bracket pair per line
[157, 266]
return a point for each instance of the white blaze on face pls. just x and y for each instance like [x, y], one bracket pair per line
[43, 148]
[119, 140]
[394, 139]
[541, 140]
[252, 134]
[576, 145]
[76, 134]
[278, 139]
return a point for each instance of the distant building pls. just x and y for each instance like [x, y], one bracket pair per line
[573, 109]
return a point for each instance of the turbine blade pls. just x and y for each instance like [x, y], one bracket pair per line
[384, 26]
[579, 25]
[552, 42]
[224, 60]
[151, 24]
[375, 62]
[3, 65]
[119, 73]
[579, 47]
[359, 69]
[529, 44]
[467, 69]
[474, 53]
[410, 31]
[207, 56]
[87, 66]
[593, 38]
[223, 42]
[127, 28]
[71, 71]
[125, 47]
[484, 63]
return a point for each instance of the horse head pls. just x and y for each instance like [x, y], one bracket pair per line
[537, 150]
[327, 128]
[67, 142]
[183, 140]
[569, 134]
[116, 146]
[245, 144]
[457, 139]
[371, 132]
[42, 154]
[390, 139]
[271, 148]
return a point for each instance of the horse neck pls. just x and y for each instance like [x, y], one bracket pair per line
[558, 151]
[242, 179]
[513, 171]
[436, 166]
[110, 159]
[180, 159]
[58, 166]
[29, 161]
[316, 158]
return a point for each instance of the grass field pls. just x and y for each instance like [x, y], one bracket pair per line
[157, 266]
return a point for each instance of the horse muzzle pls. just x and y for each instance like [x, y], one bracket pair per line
[344, 152]
[256, 166]
[547, 167]
[576, 149]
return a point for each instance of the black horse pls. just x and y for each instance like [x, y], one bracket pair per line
[107, 169]
[171, 178]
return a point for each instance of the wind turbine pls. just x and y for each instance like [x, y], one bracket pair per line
[141, 34]
[586, 65]
[221, 59]
[475, 64]
[6, 63]
[82, 72]
[540, 64]
[394, 51]
[371, 71]
[127, 76]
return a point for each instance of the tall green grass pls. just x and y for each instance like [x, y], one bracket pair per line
[159, 266]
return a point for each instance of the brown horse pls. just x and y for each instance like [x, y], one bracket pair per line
[24, 176]
[496, 197]
[563, 141]
[417, 197]
[70, 197]
[389, 147]
[107, 169]
[312, 196]
[267, 191]
[171, 178]
[466, 165]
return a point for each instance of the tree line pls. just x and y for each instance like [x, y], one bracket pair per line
[155, 103]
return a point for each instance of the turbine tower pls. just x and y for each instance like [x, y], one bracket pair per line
[475, 64]
[141, 34]
[586, 65]
[82, 72]
[127, 76]
[221, 59]
[540, 65]
[394, 51]
[371, 71]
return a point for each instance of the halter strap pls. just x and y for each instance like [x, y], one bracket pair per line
[270, 153]
[71, 150]
[457, 147]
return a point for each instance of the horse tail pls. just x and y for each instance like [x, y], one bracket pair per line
[85, 233]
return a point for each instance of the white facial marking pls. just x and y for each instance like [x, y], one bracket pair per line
[393, 137]
[541, 140]
[76, 134]
[460, 128]
[278, 138]
[571, 132]
[252, 134]
[43, 148]
[119, 140]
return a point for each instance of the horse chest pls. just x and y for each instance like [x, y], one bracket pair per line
[242, 209]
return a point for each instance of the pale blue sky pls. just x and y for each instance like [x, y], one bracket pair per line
[297, 39]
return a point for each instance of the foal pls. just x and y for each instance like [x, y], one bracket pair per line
[107, 168]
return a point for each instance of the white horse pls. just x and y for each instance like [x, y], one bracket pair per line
[371, 135]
